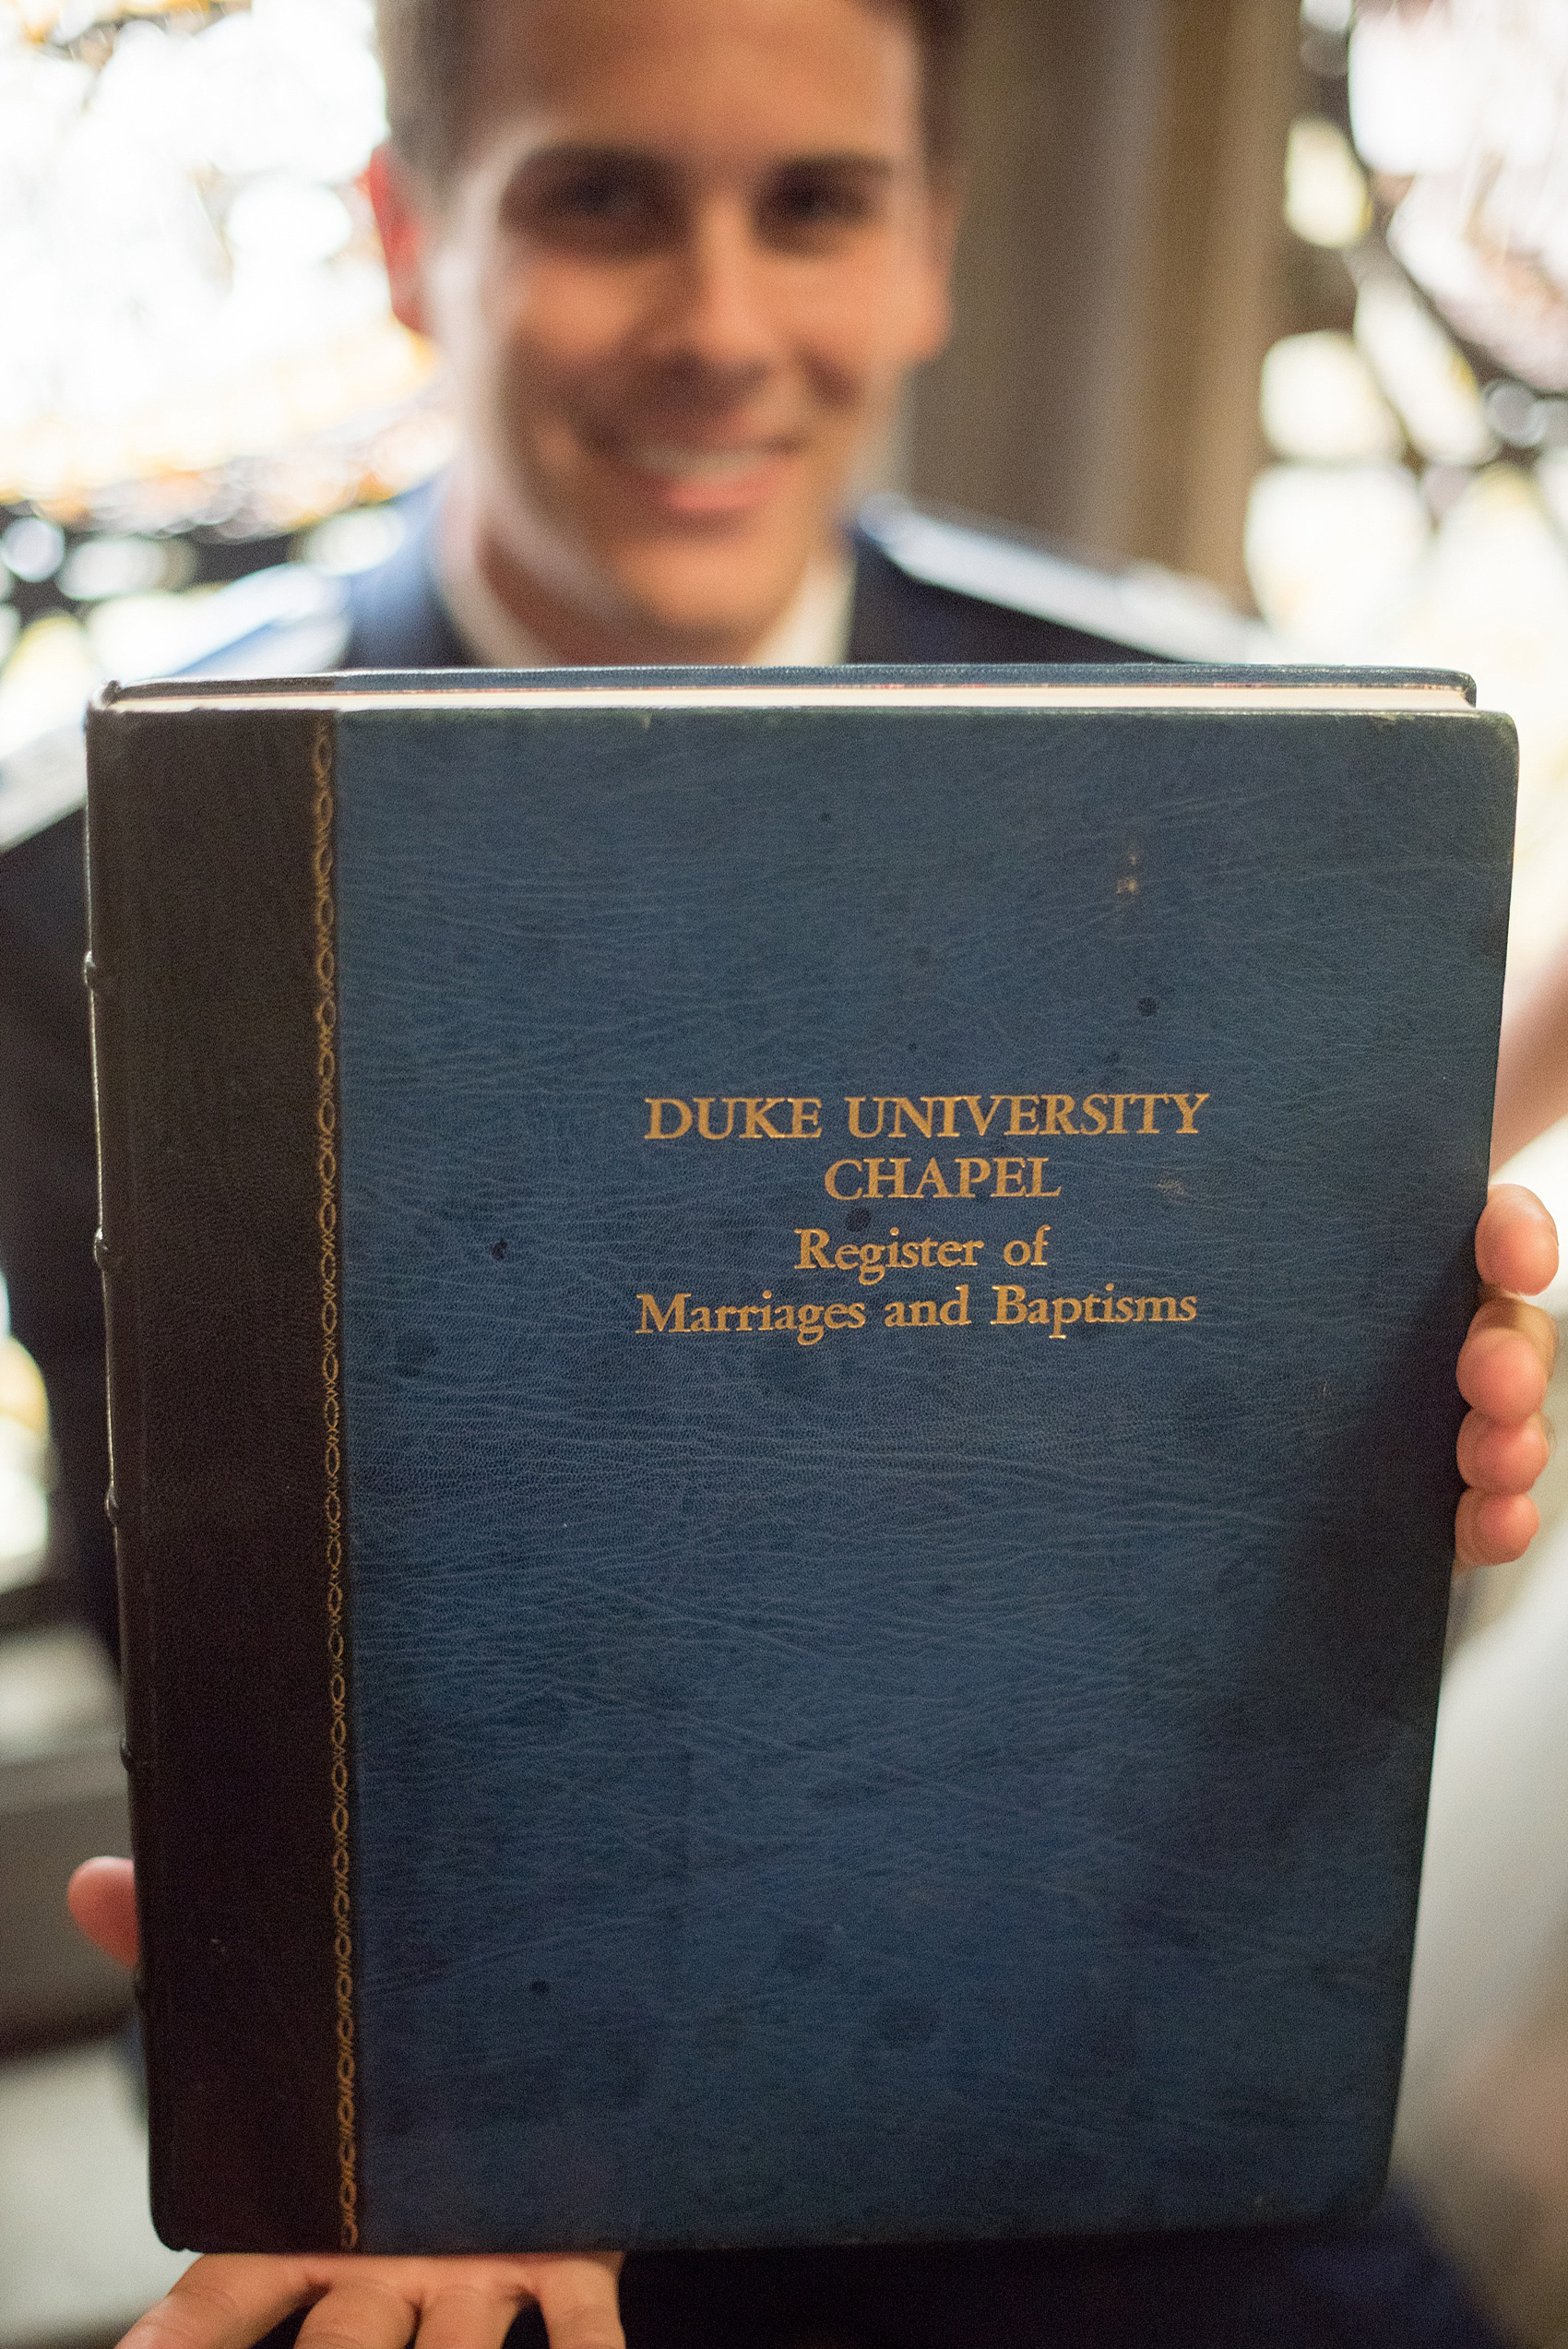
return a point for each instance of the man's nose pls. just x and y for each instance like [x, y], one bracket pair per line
[716, 316]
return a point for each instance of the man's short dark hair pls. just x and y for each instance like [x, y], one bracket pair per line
[430, 53]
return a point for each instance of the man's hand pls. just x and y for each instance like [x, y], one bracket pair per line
[1505, 1364]
[228, 2300]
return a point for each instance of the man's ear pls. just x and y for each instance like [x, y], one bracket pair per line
[402, 224]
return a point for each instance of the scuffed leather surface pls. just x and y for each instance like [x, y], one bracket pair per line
[962, 1786]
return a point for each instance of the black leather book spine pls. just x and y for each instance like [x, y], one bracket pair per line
[213, 1018]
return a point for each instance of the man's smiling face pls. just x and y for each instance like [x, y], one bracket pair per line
[689, 252]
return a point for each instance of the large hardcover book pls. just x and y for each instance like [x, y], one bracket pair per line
[781, 1360]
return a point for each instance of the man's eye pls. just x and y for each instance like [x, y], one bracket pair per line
[600, 196]
[811, 206]
[608, 207]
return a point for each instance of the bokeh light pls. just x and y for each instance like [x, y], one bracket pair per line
[197, 327]
[198, 351]
[1419, 509]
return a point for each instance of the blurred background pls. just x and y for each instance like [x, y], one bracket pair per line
[1266, 299]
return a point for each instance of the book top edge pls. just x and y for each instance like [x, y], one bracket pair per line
[1153, 685]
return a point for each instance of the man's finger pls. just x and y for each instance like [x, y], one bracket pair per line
[578, 2300]
[1499, 1456]
[1500, 1309]
[102, 1896]
[225, 2301]
[1491, 1529]
[469, 2316]
[1505, 1362]
[363, 2310]
[1515, 1240]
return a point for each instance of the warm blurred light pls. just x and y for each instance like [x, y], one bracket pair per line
[197, 328]
[67, 20]
[352, 543]
[1413, 101]
[24, 1460]
[104, 566]
[280, 222]
[31, 550]
[1515, 302]
[1515, 414]
[1468, 101]
[24, 1499]
[1460, 107]
[1344, 564]
[49, 676]
[1551, 479]
[1494, 599]
[1318, 400]
[1422, 372]
[1325, 190]
[1330, 549]
[137, 636]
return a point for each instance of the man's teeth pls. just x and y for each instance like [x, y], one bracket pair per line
[700, 464]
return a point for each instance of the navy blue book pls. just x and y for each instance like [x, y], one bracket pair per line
[782, 1392]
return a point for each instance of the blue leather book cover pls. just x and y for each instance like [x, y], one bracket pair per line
[782, 1381]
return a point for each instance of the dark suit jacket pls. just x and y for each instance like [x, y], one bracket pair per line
[1367, 2288]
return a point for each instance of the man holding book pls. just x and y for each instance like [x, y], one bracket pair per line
[681, 255]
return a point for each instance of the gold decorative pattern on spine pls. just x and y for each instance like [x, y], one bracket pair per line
[332, 1463]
